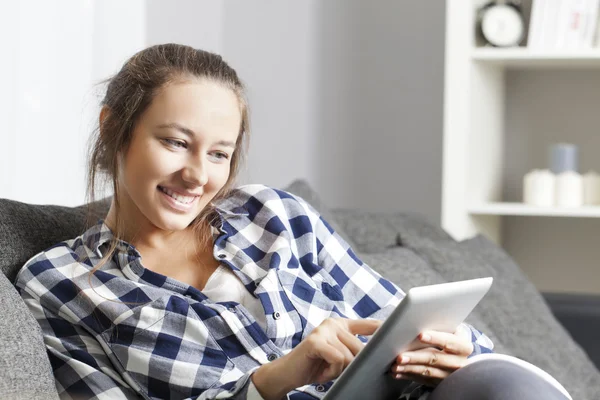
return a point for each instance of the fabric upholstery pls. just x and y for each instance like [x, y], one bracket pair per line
[27, 229]
[25, 371]
[372, 232]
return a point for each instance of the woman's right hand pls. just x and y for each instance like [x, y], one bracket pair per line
[319, 358]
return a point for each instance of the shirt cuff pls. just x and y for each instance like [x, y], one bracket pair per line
[481, 343]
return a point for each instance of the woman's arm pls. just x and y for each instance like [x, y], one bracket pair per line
[373, 296]
[370, 294]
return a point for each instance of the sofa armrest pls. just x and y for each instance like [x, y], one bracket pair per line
[25, 370]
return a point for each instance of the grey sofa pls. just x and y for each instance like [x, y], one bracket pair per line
[403, 247]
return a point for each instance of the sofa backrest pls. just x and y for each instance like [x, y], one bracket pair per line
[26, 230]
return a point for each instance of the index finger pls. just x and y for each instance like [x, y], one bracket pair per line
[363, 326]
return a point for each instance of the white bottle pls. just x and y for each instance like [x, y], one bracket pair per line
[591, 188]
[569, 189]
[539, 188]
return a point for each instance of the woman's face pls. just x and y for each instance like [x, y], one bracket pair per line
[180, 154]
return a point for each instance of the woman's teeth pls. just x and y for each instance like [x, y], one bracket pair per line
[178, 197]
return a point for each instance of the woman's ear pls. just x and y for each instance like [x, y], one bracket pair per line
[103, 114]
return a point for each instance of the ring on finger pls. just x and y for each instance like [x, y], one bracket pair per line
[434, 359]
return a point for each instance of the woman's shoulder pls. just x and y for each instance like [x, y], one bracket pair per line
[45, 269]
[262, 192]
[254, 198]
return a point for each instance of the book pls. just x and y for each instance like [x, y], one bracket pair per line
[593, 12]
[535, 24]
[550, 23]
[563, 24]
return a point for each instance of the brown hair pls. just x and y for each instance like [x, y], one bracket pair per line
[128, 95]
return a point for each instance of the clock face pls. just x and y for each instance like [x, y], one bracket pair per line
[502, 26]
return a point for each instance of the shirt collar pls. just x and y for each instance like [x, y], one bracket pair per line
[100, 234]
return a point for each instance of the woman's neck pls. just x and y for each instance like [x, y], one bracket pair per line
[142, 234]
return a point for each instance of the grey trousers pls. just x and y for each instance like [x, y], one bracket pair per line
[495, 380]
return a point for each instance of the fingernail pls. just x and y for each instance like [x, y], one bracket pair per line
[426, 337]
[405, 360]
[399, 376]
[399, 369]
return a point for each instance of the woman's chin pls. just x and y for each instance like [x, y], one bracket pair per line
[176, 224]
[169, 221]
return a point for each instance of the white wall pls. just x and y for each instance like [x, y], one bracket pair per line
[54, 53]
[380, 95]
[344, 93]
[272, 46]
[41, 149]
[196, 23]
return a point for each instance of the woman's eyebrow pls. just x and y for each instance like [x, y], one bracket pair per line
[191, 133]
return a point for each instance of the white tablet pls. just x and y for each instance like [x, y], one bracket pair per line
[440, 307]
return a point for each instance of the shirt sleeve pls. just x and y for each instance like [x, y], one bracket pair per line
[369, 294]
[481, 343]
[365, 292]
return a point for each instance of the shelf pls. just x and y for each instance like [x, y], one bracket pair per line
[523, 57]
[527, 210]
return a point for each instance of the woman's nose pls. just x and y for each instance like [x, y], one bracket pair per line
[195, 173]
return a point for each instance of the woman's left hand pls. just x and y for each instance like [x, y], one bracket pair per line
[446, 353]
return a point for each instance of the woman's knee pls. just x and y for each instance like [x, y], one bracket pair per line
[495, 380]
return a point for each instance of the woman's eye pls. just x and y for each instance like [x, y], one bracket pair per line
[220, 155]
[176, 143]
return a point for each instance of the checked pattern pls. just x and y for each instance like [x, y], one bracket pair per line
[135, 333]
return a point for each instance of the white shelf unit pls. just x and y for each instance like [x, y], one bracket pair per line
[473, 177]
[524, 58]
[516, 209]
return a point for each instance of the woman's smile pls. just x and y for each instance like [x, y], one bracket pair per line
[177, 201]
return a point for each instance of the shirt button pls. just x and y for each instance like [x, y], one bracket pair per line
[272, 357]
[276, 315]
[222, 256]
[231, 309]
[320, 388]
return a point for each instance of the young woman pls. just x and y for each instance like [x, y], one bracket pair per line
[191, 288]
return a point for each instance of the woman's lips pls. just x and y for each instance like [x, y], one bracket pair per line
[176, 204]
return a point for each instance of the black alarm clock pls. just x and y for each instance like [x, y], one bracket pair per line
[501, 23]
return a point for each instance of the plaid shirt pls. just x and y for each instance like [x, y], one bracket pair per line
[136, 333]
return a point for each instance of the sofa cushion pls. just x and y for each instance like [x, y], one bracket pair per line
[516, 312]
[25, 371]
[373, 232]
[27, 229]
